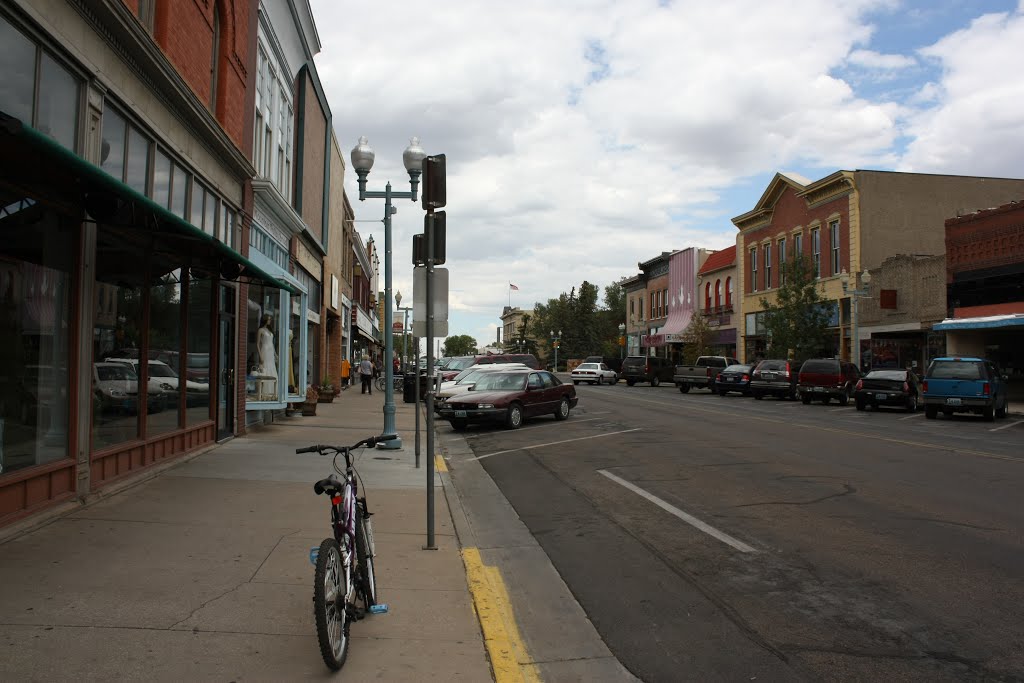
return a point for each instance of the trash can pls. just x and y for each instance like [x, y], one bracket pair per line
[408, 388]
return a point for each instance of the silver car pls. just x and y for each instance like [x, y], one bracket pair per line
[594, 373]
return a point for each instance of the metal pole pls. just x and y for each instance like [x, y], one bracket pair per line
[389, 351]
[429, 281]
[855, 349]
[416, 395]
[405, 338]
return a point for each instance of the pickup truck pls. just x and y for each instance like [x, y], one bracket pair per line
[702, 374]
[960, 384]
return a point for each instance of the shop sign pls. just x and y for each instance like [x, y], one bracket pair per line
[653, 340]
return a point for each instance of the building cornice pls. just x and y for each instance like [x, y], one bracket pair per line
[267, 192]
[828, 189]
[129, 40]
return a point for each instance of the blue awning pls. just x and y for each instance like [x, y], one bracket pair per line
[985, 322]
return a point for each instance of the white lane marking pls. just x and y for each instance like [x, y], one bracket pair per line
[911, 416]
[536, 426]
[1011, 424]
[688, 518]
[553, 443]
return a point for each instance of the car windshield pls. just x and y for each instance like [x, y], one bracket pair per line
[459, 364]
[588, 366]
[737, 368]
[895, 375]
[468, 372]
[955, 369]
[160, 370]
[500, 381]
[106, 373]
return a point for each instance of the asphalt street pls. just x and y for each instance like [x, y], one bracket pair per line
[722, 538]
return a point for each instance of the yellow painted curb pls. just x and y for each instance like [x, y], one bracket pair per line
[439, 464]
[509, 658]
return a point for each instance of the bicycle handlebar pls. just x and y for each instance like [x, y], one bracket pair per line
[369, 441]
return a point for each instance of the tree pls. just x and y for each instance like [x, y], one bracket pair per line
[796, 322]
[461, 345]
[697, 339]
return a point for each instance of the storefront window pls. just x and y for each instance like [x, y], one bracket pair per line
[137, 167]
[296, 373]
[18, 65]
[197, 368]
[164, 383]
[35, 292]
[112, 154]
[117, 336]
[263, 369]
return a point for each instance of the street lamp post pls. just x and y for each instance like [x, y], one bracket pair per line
[362, 162]
[555, 339]
[622, 340]
[844, 279]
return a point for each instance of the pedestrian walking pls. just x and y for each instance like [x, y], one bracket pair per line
[366, 370]
[346, 372]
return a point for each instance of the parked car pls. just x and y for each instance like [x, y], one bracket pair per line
[888, 388]
[733, 378]
[163, 378]
[964, 384]
[827, 378]
[613, 362]
[647, 369]
[774, 377]
[116, 389]
[702, 373]
[459, 363]
[509, 397]
[593, 373]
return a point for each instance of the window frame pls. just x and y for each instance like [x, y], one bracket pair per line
[767, 248]
[753, 269]
[833, 228]
[816, 251]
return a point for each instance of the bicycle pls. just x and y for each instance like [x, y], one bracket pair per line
[381, 381]
[344, 583]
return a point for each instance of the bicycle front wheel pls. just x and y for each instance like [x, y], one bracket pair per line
[364, 556]
[330, 604]
[379, 383]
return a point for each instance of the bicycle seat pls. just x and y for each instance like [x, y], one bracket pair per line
[330, 486]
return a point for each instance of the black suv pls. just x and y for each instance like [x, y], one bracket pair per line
[774, 378]
[647, 369]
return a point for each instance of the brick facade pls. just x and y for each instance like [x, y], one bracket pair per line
[985, 239]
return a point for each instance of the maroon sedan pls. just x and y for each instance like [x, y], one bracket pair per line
[509, 398]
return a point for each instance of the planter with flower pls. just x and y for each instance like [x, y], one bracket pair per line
[327, 393]
[309, 407]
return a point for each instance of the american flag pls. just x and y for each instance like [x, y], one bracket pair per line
[512, 286]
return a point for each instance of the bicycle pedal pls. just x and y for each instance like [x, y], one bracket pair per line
[378, 609]
[314, 553]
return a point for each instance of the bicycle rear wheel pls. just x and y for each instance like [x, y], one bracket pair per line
[330, 605]
[364, 556]
[379, 383]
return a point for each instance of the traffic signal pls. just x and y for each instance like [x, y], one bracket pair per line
[419, 242]
[434, 173]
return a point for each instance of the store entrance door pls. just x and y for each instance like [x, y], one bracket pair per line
[226, 394]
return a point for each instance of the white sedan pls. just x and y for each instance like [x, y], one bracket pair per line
[595, 373]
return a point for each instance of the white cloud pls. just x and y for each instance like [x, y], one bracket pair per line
[585, 136]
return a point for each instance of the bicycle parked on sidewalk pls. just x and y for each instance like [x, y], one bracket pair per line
[344, 583]
[396, 382]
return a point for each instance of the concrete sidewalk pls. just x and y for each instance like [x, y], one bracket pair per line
[201, 572]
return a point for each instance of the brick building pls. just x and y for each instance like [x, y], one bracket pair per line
[716, 297]
[655, 273]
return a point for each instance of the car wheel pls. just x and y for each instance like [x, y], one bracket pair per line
[684, 388]
[722, 392]
[655, 381]
[989, 414]
[860, 405]
[563, 409]
[597, 382]
[805, 399]
[459, 425]
[758, 396]
[844, 398]
[1001, 412]
[912, 404]
[931, 412]
[630, 382]
[514, 417]
[825, 400]
[576, 382]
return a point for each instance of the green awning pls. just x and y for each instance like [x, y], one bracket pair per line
[39, 167]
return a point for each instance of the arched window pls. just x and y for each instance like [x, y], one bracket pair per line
[707, 296]
[728, 291]
[718, 293]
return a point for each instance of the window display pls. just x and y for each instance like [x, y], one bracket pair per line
[263, 366]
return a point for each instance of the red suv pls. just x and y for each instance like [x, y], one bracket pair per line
[827, 378]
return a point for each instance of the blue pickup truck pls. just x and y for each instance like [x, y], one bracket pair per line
[964, 385]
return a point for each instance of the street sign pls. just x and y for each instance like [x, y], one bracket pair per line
[398, 327]
[419, 302]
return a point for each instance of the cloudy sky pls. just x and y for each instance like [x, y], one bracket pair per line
[585, 136]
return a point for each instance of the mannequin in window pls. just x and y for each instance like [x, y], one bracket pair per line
[268, 358]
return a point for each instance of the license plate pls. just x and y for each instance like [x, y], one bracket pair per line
[732, 379]
[768, 375]
[460, 413]
[819, 389]
[881, 397]
[953, 402]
